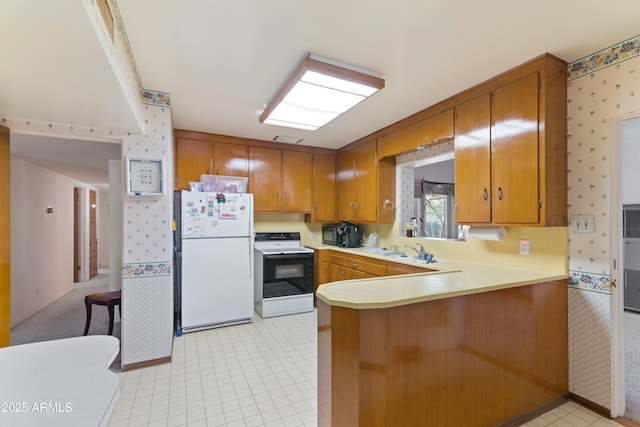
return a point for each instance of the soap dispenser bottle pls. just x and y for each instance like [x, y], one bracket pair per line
[414, 226]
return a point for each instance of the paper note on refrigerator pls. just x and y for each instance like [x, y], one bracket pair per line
[193, 224]
[229, 209]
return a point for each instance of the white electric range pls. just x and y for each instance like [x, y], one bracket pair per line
[283, 279]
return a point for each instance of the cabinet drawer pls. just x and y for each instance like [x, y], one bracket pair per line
[355, 263]
[375, 269]
[337, 259]
[354, 274]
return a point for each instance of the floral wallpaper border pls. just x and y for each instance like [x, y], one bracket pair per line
[146, 269]
[604, 58]
[590, 281]
[153, 97]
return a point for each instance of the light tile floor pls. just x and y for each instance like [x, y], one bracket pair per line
[258, 374]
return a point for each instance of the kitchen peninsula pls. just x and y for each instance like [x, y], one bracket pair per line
[465, 345]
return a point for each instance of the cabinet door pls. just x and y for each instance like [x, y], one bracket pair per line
[346, 186]
[230, 159]
[296, 181]
[323, 205]
[515, 197]
[193, 158]
[265, 178]
[366, 185]
[336, 272]
[472, 167]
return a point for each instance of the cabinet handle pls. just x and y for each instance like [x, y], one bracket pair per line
[351, 205]
[354, 265]
[315, 206]
[342, 274]
[277, 195]
[355, 204]
[485, 195]
[499, 193]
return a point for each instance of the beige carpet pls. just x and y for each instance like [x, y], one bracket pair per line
[632, 364]
[65, 318]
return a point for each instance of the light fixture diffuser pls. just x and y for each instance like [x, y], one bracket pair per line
[319, 91]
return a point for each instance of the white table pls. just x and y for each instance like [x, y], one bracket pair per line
[63, 382]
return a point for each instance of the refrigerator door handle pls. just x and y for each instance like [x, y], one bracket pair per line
[251, 256]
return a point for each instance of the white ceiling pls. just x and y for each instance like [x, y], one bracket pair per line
[222, 61]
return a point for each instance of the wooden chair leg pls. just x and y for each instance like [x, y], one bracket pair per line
[110, 307]
[88, 305]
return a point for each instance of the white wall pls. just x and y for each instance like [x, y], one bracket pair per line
[630, 141]
[41, 243]
[103, 228]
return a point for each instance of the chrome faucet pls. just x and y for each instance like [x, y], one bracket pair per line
[419, 252]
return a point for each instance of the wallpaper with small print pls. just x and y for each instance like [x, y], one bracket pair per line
[602, 88]
[405, 181]
[147, 282]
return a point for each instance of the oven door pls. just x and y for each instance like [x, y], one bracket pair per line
[287, 274]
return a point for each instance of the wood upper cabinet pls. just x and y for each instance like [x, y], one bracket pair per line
[296, 181]
[472, 166]
[280, 180]
[364, 184]
[346, 185]
[265, 178]
[230, 159]
[324, 189]
[195, 157]
[521, 161]
[515, 196]
[435, 129]
[365, 195]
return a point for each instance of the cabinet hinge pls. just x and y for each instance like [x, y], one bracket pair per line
[539, 204]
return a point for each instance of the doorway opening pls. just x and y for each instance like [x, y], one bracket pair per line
[626, 313]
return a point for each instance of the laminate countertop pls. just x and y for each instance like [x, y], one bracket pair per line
[450, 278]
[65, 382]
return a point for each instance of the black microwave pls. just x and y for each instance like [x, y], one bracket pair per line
[330, 234]
[345, 235]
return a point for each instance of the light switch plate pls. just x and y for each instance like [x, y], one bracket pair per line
[525, 247]
[583, 224]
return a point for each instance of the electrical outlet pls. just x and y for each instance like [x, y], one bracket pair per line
[525, 247]
[583, 224]
[312, 235]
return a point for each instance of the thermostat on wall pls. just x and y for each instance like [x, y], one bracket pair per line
[145, 176]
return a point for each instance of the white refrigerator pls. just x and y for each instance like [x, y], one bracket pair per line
[217, 257]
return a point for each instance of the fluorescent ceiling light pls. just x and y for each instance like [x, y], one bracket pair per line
[319, 91]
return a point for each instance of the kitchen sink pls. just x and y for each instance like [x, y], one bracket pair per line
[411, 258]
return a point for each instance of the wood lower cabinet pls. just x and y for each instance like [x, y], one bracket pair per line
[473, 360]
[344, 266]
[511, 148]
[280, 180]
[366, 185]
